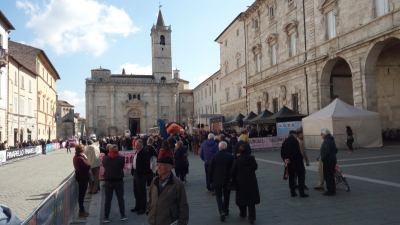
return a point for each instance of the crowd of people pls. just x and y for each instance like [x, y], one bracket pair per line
[228, 164]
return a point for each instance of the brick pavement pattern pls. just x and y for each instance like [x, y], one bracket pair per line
[368, 203]
[27, 182]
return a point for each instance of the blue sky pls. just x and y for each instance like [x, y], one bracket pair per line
[79, 35]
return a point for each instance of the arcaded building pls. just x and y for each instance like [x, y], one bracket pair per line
[303, 54]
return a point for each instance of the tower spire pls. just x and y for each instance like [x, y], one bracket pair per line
[160, 19]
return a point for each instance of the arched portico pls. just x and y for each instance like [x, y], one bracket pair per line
[336, 82]
[382, 79]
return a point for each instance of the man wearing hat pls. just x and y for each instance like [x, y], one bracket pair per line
[114, 180]
[167, 197]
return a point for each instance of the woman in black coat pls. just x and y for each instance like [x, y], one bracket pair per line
[245, 180]
[181, 161]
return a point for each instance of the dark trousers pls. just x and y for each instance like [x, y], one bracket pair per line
[110, 186]
[252, 211]
[68, 149]
[82, 188]
[296, 172]
[181, 174]
[329, 176]
[139, 191]
[222, 194]
[206, 169]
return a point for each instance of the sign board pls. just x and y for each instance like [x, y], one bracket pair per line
[266, 142]
[19, 153]
[283, 128]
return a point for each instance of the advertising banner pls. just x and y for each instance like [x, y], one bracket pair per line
[284, 127]
[19, 153]
[266, 142]
[2, 157]
[129, 155]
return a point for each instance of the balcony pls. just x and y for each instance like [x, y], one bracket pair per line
[3, 57]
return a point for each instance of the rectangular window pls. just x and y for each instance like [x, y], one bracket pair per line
[30, 107]
[21, 106]
[258, 63]
[209, 88]
[22, 82]
[239, 88]
[15, 104]
[237, 32]
[30, 86]
[295, 102]
[273, 54]
[331, 24]
[227, 94]
[258, 107]
[215, 108]
[275, 105]
[15, 79]
[292, 45]
[381, 7]
[215, 88]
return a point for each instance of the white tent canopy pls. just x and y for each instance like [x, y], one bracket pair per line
[336, 116]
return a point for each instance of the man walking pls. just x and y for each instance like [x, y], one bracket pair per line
[141, 171]
[291, 155]
[113, 176]
[167, 197]
[328, 158]
[207, 151]
[220, 169]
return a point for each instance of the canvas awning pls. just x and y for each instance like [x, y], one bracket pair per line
[262, 118]
[285, 115]
[236, 121]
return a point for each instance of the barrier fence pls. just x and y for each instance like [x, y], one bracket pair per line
[59, 207]
[18, 153]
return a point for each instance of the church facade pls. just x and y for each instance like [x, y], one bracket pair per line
[118, 104]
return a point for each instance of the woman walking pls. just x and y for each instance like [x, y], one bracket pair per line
[181, 161]
[350, 138]
[244, 178]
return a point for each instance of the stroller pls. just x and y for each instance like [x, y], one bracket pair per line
[340, 180]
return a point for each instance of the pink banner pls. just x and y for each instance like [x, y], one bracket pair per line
[128, 162]
[266, 142]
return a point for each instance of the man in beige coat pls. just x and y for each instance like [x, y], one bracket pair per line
[167, 197]
[93, 152]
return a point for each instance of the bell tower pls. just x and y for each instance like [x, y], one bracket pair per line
[161, 50]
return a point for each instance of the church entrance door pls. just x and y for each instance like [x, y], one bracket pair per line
[134, 126]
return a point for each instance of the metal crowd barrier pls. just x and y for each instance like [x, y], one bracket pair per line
[57, 208]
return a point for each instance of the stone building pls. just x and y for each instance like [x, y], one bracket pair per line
[303, 54]
[35, 77]
[5, 28]
[233, 73]
[116, 103]
[22, 101]
[80, 123]
[207, 99]
[65, 118]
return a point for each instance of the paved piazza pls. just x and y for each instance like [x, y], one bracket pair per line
[374, 176]
[25, 183]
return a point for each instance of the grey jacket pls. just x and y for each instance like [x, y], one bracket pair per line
[168, 205]
[328, 150]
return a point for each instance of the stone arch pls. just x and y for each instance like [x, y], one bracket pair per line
[382, 68]
[336, 81]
